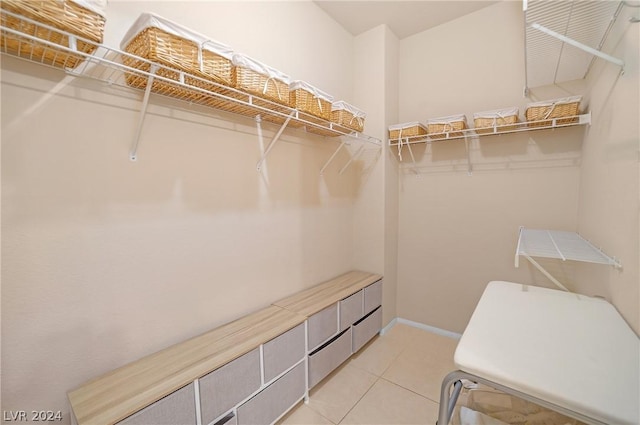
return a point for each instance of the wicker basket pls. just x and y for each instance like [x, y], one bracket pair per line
[348, 116]
[446, 127]
[259, 79]
[540, 114]
[409, 129]
[82, 18]
[176, 48]
[495, 121]
[310, 100]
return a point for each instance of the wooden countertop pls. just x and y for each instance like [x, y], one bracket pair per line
[114, 396]
[319, 297]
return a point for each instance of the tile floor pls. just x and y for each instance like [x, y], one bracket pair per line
[394, 379]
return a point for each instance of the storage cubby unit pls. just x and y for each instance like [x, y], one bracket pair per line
[249, 371]
[339, 319]
[220, 369]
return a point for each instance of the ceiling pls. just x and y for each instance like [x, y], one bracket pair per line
[404, 18]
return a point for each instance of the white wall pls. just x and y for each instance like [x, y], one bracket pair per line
[609, 188]
[457, 232]
[105, 260]
[376, 208]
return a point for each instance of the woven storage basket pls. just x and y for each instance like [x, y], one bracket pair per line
[409, 129]
[259, 79]
[347, 116]
[176, 48]
[495, 121]
[308, 99]
[539, 114]
[441, 128]
[82, 18]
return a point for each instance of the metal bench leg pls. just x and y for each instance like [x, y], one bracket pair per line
[449, 398]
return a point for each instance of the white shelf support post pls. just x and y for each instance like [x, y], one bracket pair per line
[324, 167]
[579, 45]
[133, 155]
[273, 141]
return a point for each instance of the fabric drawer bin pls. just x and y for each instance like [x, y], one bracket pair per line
[328, 357]
[409, 129]
[351, 310]
[176, 48]
[177, 408]
[82, 18]
[227, 386]
[230, 419]
[540, 114]
[272, 402]
[366, 329]
[495, 121]
[372, 296]
[322, 326]
[347, 116]
[445, 127]
[283, 352]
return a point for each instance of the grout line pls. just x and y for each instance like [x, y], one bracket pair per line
[410, 390]
[360, 399]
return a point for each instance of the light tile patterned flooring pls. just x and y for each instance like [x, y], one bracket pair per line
[395, 379]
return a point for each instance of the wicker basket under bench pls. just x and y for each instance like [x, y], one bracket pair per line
[541, 114]
[81, 18]
[176, 49]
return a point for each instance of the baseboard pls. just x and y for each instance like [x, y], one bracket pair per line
[419, 325]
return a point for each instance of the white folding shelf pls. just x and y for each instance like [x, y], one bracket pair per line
[561, 245]
[106, 64]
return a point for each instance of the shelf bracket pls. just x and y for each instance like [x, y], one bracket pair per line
[466, 147]
[546, 273]
[579, 45]
[353, 158]
[133, 154]
[342, 143]
[274, 140]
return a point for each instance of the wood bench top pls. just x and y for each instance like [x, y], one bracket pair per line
[116, 395]
[319, 297]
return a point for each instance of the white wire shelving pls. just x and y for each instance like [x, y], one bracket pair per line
[107, 65]
[563, 38]
[496, 130]
[561, 245]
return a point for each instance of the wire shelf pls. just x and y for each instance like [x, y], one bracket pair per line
[519, 127]
[561, 245]
[563, 38]
[107, 65]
